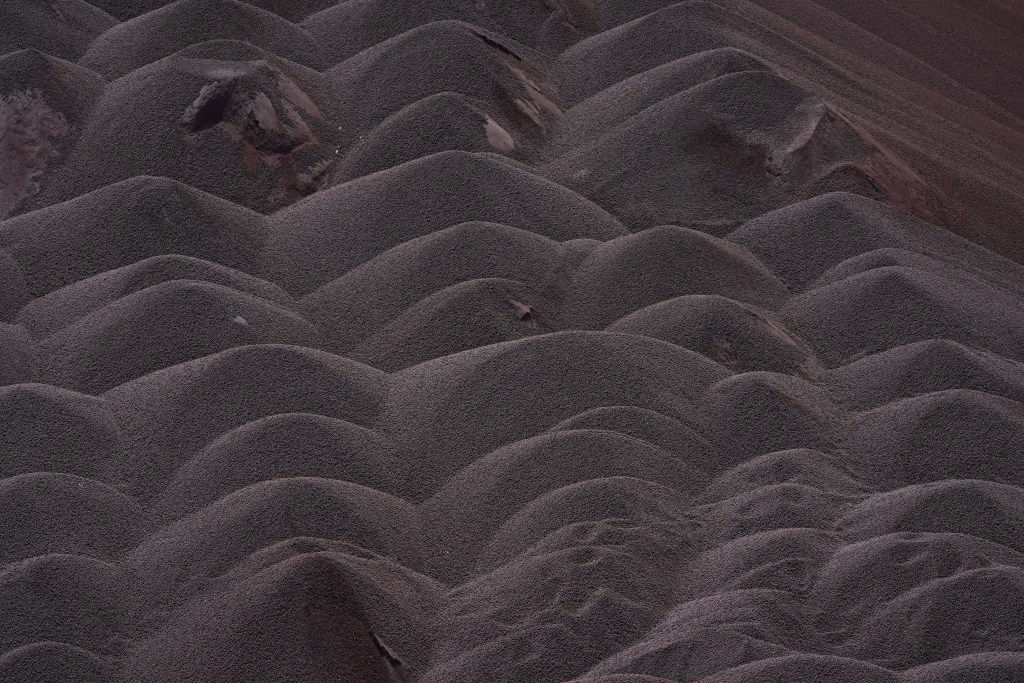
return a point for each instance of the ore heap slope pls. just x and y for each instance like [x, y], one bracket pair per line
[495, 341]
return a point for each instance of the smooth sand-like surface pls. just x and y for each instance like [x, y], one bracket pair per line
[511, 341]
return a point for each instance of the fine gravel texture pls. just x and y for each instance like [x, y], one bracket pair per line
[511, 341]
